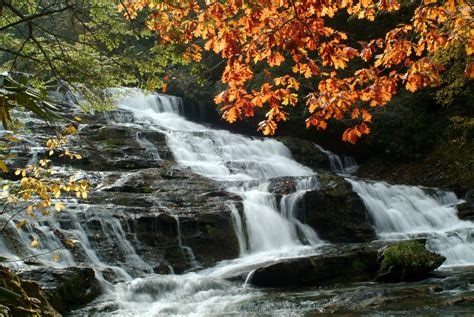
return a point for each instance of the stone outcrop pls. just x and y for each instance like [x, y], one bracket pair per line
[306, 153]
[336, 212]
[65, 288]
[407, 260]
[351, 263]
[22, 298]
[333, 209]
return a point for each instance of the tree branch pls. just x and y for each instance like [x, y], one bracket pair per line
[25, 19]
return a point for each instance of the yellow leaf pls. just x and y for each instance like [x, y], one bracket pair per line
[84, 195]
[35, 243]
[21, 224]
[58, 206]
[5, 187]
[77, 118]
[3, 166]
[51, 152]
[11, 138]
[56, 258]
[70, 243]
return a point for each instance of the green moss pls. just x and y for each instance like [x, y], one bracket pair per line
[408, 260]
[110, 144]
[23, 298]
[211, 231]
[358, 265]
[405, 254]
[147, 190]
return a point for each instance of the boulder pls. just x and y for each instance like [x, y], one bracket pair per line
[466, 209]
[336, 212]
[166, 214]
[390, 261]
[407, 260]
[22, 298]
[305, 152]
[65, 288]
[341, 263]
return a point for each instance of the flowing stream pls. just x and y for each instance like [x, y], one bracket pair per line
[267, 229]
[405, 212]
[272, 230]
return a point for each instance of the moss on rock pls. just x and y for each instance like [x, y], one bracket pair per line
[23, 298]
[407, 260]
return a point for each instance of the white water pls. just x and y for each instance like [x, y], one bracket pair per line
[149, 147]
[225, 156]
[187, 251]
[345, 166]
[266, 230]
[402, 212]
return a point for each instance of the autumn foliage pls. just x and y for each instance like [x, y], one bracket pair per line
[290, 42]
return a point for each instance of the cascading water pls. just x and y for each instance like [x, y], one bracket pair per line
[345, 166]
[150, 148]
[404, 212]
[188, 252]
[228, 157]
[266, 231]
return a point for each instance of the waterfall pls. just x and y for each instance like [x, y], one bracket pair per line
[72, 224]
[345, 166]
[268, 226]
[404, 212]
[187, 251]
[266, 230]
[228, 157]
[150, 148]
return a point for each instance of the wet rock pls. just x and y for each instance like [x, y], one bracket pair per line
[65, 288]
[109, 148]
[22, 298]
[338, 264]
[282, 186]
[336, 212]
[466, 209]
[5, 311]
[350, 263]
[305, 152]
[446, 293]
[168, 215]
[407, 260]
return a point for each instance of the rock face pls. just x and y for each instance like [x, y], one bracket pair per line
[466, 209]
[422, 297]
[333, 209]
[407, 260]
[173, 219]
[336, 212]
[335, 264]
[166, 218]
[22, 298]
[306, 153]
[350, 263]
[65, 288]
